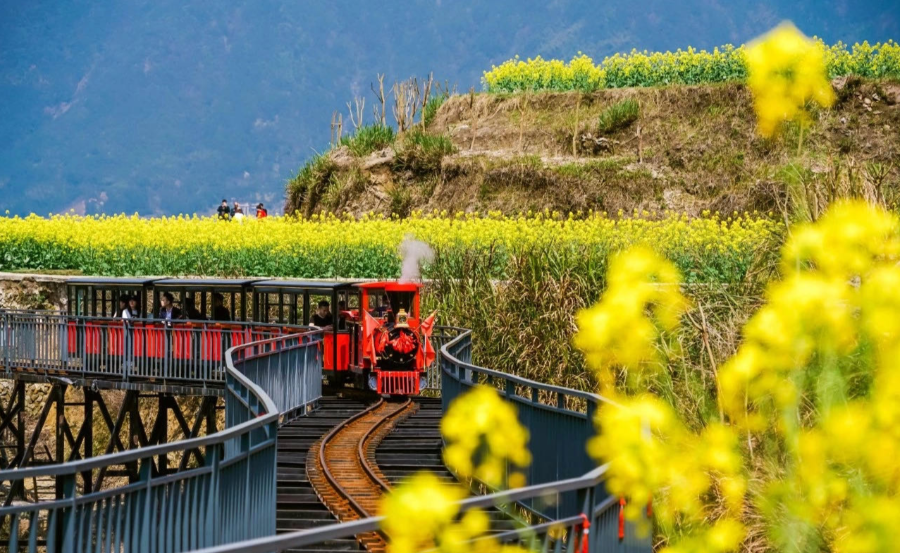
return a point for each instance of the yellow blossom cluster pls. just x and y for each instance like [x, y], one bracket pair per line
[705, 248]
[484, 437]
[822, 358]
[422, 514]
[641, 299]
[689, 66]
[817, 379]
[652, 455]
[786, 70]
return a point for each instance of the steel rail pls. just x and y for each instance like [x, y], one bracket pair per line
[322, 446]
[370, 472]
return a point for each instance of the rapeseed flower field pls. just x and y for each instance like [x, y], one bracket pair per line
[643, 68]
[708, 248]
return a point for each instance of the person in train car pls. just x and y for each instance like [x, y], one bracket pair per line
[167, 309]
[384, 308]
[122, 312]
[220, 312]
[133, 308]
[261, 212]
[223, 211]
[190, 310]
[322, 316]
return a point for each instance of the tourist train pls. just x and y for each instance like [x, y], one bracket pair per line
[372, 333]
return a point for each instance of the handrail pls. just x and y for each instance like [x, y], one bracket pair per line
[153, 351]
[237, 467]
[517, 380]
[303, 538]
[607, 532]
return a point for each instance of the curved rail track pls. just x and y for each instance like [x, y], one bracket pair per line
[342, 469]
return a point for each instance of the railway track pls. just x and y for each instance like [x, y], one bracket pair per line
[342, 469]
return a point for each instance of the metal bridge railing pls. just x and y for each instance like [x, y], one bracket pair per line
[128, 350]
[226, 492]
[559, 420]
[562, 498]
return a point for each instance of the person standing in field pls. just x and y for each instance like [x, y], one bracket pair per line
[223, 211]
[261, 212]
[238, 213]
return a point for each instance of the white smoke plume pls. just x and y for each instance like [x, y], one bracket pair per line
[413, 252]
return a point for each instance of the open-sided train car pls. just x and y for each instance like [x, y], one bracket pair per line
[376, 338]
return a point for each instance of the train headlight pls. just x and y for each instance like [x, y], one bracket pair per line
[423, 382]
[373, 382]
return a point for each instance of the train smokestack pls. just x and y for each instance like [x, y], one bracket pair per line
[413, 253]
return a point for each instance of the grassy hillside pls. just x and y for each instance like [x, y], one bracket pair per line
[684, 148]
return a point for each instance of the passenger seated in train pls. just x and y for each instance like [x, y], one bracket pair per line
[220, 312]
[384, 308]
[322, 316]
[133, 308]
[167, 309]
[123, 311]
[190, 310]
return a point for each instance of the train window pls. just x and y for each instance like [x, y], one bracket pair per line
[376, 300]
[401, 300]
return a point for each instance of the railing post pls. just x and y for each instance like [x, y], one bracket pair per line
[145, 506]
[212, 532]
[65, 532]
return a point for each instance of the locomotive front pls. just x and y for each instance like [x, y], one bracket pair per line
[396, 345]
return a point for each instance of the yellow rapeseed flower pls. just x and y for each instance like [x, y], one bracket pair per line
[785, 71]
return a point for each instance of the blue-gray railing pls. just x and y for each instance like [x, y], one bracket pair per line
[559, 420]
[95, 347]
[226, 493]
[567, 502]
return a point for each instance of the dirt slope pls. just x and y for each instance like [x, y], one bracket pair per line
[690, 149]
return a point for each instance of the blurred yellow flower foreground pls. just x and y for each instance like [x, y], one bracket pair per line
[804, 454]
[483, 436]
[785, 71]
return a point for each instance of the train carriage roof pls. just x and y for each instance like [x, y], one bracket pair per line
[110, 281]
[302, 284]
[221, 283]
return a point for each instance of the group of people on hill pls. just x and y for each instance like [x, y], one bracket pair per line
[236, 212]
[168, 311]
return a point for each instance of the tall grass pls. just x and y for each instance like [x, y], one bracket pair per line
[431, 108]
[368, 139]
[421, 152]
[618, 116]
[305, 188]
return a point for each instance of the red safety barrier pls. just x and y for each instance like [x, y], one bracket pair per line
[182, 340]
[72, 335]
[397, 382]
[115, 339]
[150, 340]
[211, 344]
[239, 336]
[93, 339]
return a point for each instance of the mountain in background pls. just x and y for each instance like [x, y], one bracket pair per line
[166, 107]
